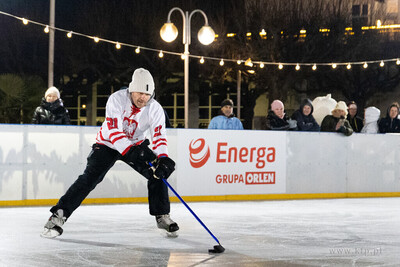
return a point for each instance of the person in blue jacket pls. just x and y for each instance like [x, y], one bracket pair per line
[226, 120]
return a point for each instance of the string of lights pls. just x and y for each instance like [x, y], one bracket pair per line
[249, 62]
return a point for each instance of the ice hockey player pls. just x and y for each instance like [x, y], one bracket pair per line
[129, 114]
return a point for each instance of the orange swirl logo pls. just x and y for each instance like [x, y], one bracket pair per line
[198, 155]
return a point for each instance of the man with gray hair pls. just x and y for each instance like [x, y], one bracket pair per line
[130, 113]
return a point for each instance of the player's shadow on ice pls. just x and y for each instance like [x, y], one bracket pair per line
[91, 243]
[149, 253]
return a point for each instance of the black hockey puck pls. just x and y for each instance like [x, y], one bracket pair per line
[217, 249]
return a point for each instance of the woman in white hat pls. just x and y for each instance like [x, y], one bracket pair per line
[51, 109]
[337, 121]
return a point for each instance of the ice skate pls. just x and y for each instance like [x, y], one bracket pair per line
[164, 222]
[53, 228]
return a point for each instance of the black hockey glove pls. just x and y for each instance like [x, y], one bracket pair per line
[144, 169]
[141, 153]
[165, 166]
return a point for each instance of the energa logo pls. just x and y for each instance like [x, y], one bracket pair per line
[199, 153]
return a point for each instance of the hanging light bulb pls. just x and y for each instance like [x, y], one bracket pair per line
[69, 34]
[348, 66]
[47, 29]
[161, 54]
[262, 65]
[118, 45]
[280, 66]
[314, 67]
[25, 21]
[297, 67]
[334, 66]
[96, 39]
[263, 34]
[248, 62]
[365, 65]
[382, 64]
[137, 50]
[221, 63]
[239, 62]
[183, 56]
[202, 60]
[398, 61]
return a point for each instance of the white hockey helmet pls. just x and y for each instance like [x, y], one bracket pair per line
[142, 82]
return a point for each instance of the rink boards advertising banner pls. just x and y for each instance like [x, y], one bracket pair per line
[221, 162]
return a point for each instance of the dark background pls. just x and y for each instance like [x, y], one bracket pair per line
[80, 63]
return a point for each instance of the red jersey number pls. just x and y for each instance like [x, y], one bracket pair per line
[157, 131]
[112, 123]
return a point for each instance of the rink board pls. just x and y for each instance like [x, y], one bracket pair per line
[38, 163]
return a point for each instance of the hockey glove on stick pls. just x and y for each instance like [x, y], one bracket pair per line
[141, 153]
[165, 166]
[144, 169]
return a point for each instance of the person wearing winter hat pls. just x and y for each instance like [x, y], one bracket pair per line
[277, 119]
[131, 114]
[371, 117]
[355, 121]
[337, 121]
[51, 109]
[391, 123]
[226, 119]
[304, 118]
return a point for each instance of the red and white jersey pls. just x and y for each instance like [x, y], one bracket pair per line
[126, 125]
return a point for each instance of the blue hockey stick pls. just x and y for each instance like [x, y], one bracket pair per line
[217, 248]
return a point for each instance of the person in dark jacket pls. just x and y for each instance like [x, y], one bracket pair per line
[390, 124]
[337, 121]
[277, 119]
[356, 122]
[51, 109]
[305, 119]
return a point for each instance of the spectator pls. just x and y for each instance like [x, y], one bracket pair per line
[371, 115]
[355, 121]
[51, 110]
[226, 119]
[323, 105]
[277, 119]
[304, 117]
[337, 121]
[390, 124]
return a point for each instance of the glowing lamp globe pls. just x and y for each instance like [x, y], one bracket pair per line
[206, 35]
[168, 32]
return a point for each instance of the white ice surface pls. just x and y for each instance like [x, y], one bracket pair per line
[335, 232]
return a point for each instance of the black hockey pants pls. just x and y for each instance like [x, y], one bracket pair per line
[99, 161]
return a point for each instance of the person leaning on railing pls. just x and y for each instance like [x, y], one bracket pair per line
[390, 124]
[304, 118]
[337, 121]
[277, 119]
[51, 109]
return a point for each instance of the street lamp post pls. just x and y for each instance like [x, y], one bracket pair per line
[169, 33]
